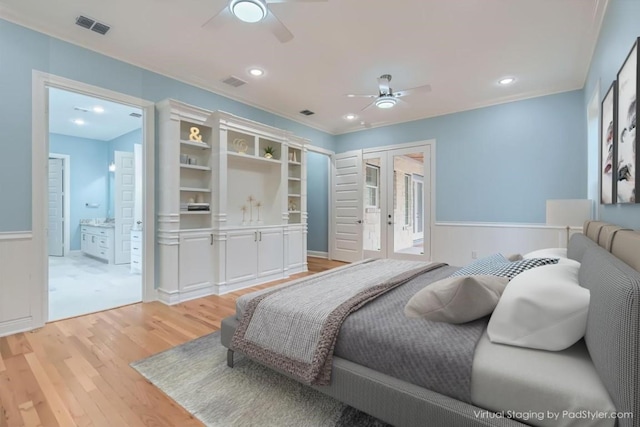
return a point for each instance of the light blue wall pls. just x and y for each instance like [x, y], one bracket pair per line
[23, 50]
[620, 28]
[122, 143]
[89, 178]
[317, 201]
[499, 163]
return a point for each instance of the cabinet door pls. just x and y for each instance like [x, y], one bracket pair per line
[296, 252]
[242, 256]
[84, 242]
[195, 261]
[270, 252]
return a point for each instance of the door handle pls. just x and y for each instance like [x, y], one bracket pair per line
[211, 242]
[359, 221]
[390, 222]
[255, 236]
[260, 234]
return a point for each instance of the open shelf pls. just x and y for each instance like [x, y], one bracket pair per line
[195, 212]
[293, 178]
[294, 163]
[196, 190]
[201, 145]
[294, 195]
[195, 167]
[294, 212]
[252, 158]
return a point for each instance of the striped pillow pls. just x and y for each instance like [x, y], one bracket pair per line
[502, 269]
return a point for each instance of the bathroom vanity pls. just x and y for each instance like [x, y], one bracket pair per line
[97, 240]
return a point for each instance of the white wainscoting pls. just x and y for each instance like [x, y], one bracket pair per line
[16, 287]
[455, 242]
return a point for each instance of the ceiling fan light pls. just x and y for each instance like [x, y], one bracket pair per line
[249, 10]
[386, 102]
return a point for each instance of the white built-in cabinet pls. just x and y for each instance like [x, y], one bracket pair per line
[97, 242]
[248, 183]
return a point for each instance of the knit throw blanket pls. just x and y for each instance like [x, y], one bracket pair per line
[293, 328]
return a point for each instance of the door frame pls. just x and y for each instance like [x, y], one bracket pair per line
[431, 143]
[66, 206]
[415, 178]
[40, 84]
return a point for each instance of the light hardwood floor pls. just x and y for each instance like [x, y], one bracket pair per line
[76, 371]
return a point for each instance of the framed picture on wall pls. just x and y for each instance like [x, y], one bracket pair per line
[626, 154]
[608, 134]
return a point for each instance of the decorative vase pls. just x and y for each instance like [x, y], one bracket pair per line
[268, 156]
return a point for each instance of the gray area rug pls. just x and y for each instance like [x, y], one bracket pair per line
[196, 376]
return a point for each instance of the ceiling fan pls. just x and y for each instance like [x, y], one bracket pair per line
[386, 97]
[253, 11]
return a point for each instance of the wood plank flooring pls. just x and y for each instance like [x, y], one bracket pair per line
[76, 372]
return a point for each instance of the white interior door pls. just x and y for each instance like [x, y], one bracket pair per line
[124, 205]
[137, 212]
[347, 207]
[56, 209]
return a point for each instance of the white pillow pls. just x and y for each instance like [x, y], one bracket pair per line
[543, 308]
[547, 253]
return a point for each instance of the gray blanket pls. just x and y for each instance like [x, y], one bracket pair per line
[294, 328]
[437, 356]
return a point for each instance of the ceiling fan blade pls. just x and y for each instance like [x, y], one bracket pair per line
[219, 19]
[384, 85]
[295, 1]
[356, 95]
[419, 89]
[369, 106]
[278, 29]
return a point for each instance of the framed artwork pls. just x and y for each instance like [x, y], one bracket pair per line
[626, 154]
[608, 134]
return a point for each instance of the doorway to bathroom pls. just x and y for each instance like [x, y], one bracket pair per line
[95, 204]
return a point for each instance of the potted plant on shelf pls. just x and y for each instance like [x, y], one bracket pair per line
[269, 152]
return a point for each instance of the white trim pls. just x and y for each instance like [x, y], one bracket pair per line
[331, 155]
[503, 225]
[317, 254]
[417, 144]
[16, 326]
[593, 108]
[40, 152]
[320, 150]
[16, 235]
[66, 189]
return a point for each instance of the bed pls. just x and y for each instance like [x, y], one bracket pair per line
[508, 386]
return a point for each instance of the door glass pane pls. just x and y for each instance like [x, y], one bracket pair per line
[408, 215]
[371, 197]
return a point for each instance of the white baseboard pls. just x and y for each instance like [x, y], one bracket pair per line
[16, 235]
[454, 243]
[16, 326]
[318, 254]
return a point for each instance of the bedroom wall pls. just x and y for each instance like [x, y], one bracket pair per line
[89, 179]
[495, 168]
[620, 28]
[317, 203]
[37, 51]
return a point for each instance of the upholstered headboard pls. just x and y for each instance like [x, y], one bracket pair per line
[613, 325]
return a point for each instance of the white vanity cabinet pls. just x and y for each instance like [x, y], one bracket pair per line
[136, 251]
[97, 242]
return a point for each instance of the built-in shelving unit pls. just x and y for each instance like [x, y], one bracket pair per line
[248, 174]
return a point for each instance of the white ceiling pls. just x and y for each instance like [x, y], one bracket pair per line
[65, 107]
[460, 47]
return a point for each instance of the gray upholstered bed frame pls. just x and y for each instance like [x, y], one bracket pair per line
[612, 338]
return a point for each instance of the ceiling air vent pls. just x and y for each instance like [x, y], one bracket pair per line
[100, 28]
[83, 110]
[234, 81]
[307, 112]
[92, 24]
[136, 115]
[85, 22]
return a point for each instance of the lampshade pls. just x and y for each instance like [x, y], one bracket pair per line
[249, 10]
[386, 102]
[569, 212]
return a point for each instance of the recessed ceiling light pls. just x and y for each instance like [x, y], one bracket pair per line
[351, 95]
[350, 117]
[98, 109]
[256, 72]
[506, 81]
[79, 122]
[249, 10]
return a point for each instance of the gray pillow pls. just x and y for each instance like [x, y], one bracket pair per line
[458, 299]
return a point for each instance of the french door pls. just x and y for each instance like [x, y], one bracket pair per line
[394, 208]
